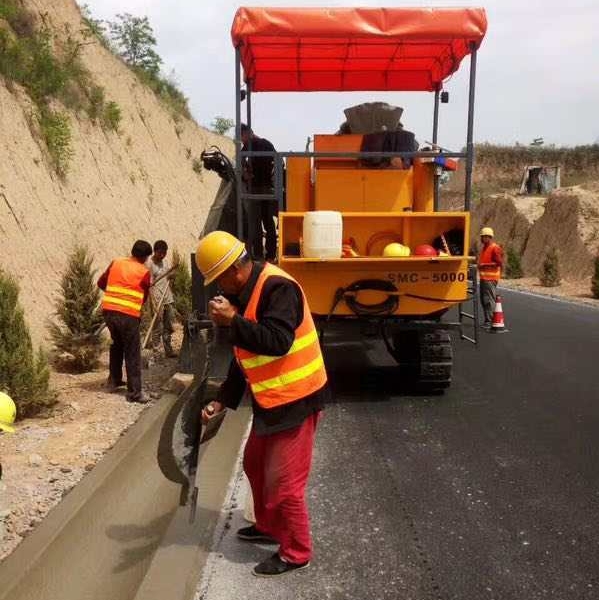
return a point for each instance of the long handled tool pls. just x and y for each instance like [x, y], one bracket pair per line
[157, 311]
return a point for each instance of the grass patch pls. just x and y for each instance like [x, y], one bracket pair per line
[56, 132]
[111, 118]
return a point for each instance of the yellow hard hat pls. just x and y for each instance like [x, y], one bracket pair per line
[395, 249]
[8, 412]
[487, 231]
[216, 252]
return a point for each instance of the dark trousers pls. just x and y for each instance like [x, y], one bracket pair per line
[488, 293]
[126, 344]
[259, 214]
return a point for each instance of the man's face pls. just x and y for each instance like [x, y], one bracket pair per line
[245, 136]
[233, 280]
[486, 239]
[160, 254]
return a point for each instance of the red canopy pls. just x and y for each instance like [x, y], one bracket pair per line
[354, 49]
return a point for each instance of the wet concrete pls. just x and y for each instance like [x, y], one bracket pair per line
[488, 491]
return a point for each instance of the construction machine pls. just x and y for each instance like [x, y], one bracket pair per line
[402, 264]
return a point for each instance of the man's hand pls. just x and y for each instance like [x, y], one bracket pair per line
[221, 311]
[211, 409]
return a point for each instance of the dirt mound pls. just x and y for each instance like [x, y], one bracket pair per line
[510, 218]
[567, 219]
[137, 183]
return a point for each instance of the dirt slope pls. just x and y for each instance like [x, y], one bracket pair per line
[567, 219]
[137, 183]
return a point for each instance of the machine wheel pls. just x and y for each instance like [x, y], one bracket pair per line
[425, 358]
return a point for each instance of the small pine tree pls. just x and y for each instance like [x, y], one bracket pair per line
[181, 286]
[550, 276]
[595, 280]
[23, 373]
[77, 331]
[513, 267]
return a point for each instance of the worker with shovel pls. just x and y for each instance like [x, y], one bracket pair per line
[163, 301]
[126, 285]
[278, 358]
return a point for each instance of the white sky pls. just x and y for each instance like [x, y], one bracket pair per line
[537, 76]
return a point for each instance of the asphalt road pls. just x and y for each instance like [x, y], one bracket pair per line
[490, 491]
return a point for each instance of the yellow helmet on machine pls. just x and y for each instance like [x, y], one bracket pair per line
[8, 413]
[396, 250]
[216, 252]
[487, 231]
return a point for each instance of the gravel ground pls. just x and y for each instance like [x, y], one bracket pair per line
[47, 457]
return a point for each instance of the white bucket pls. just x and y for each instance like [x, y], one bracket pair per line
[323, 234]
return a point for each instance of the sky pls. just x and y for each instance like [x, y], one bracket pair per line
[537, 73]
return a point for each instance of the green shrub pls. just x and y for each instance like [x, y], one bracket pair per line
[95, 106]
[24, 374]
[550, 275]
[8, 10]
[77, 329]
[56, 131]
[95, 27]
[111, 118]
[221, 125]
[513, 267]
[181, 286]
[595, 279]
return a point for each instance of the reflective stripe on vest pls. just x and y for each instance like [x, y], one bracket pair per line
[123, 292]
[492, 273]
[279, 380]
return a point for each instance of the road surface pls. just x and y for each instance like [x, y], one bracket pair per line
[490, 491]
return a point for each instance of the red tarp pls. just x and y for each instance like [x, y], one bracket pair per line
[354, 49]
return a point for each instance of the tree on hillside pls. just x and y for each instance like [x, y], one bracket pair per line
[550, 275]
[23, 373]
[221, 125]
[135, 42]
[181, 286]
[513, 267]
[79, 320]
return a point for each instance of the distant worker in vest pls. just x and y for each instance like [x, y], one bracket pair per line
[8, 414]
[162, 298]
[278, 358]
[126, 285]
[258, 175]
[490, 262]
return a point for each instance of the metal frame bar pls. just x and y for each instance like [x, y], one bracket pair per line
[470, 133]
[238, 145]
[435, 136]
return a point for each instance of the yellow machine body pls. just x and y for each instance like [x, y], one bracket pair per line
[378, 206]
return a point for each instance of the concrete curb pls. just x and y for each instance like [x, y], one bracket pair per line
[99, 542]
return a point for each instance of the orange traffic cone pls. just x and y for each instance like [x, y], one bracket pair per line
[498, 324]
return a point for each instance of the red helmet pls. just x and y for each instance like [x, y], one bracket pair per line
[425, 250]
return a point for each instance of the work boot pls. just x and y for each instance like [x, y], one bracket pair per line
[113, 386]
[275, 565]
[251, 534]
[139, 398]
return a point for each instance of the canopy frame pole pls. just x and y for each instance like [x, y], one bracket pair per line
[435, 136]
[238, 170]
[470, 133]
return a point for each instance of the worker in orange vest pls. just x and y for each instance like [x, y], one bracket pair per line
[126, 284]
[490, 262]
[278, 359]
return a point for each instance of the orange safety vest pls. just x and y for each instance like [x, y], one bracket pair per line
[124, 292]
[279, 380]
[487, 255]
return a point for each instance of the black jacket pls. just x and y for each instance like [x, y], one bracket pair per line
[279, 313]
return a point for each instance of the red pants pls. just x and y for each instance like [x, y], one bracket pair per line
[277, 467]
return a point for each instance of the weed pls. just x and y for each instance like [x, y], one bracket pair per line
[56, 132]
[112, 116]
[550, 275]
[196, 165]
[513, 268]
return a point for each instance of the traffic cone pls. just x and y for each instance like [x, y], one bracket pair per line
[498, 324]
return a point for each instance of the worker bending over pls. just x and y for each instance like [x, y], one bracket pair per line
[490, 262]
[126, 285]
[278, 357]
